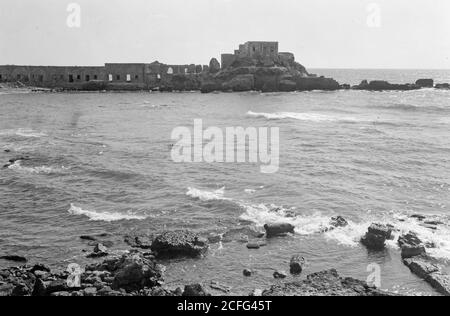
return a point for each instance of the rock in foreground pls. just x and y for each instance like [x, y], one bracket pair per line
[431, 273]
[179, 244]
[326, 283]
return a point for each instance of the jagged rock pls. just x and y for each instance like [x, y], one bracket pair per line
[40, 267]
[214, 66]
[274, 230]
[376, 236]
[179, 244]
[279, 275]
[425, 83]
[326, 283]
[99, 251]
[296, 265]
[240, 83]
[247, 272]
[431, 273]
[14, 258]
[421, 266]
[411, 245]
[442, 86]
[338, 221]
[195, 290]
[131, 272]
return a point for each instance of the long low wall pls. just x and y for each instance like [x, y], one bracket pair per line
[115, 75]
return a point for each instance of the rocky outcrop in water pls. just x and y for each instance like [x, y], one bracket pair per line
[297, 264]
[376, 236]
[425, 83]
[411, 245]
[326, 283]
[278, 230]
[379, 85]
[179, 244]
[430, 272]
[442, 86]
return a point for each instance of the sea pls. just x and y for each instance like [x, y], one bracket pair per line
[100, 163]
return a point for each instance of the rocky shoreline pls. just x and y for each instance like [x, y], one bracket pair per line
[140, 271]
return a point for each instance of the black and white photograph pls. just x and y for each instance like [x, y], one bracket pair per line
[224, 153]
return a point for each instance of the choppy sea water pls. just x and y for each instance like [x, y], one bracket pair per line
[100, 163]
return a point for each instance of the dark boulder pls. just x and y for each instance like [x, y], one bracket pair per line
[274, 230]
[100, 250]
[411, 245]
[131, 272]
[247, 272]
[179, 244]
[195, 290]
[296, 265]
[425, 83]
[376, 236]
[442, 86]
[338, 221]
[279, 275]
[14, 258]
[379, 85]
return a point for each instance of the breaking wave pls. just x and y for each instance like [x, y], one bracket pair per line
[103, 216]
[312, 117]
[23, 132]
[316, 223]
[17, 166]
[206, 195]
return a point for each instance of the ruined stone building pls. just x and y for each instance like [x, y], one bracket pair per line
[256, 50]
[116, 75]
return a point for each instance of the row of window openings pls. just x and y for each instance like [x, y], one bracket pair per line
[118, 78]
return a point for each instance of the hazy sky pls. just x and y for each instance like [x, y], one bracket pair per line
[321, 33]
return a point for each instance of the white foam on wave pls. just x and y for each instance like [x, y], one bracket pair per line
[17, 166]
[205, 196]
[312, 117]
[261, 214]
[351, 235]
[23, 132]
[103, 216]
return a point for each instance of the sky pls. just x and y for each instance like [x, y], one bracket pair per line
[321, 33]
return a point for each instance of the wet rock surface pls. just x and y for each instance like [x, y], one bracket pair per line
[179, 244]
[278, 230]
[297, 264]
[423, 267]
[376, 236]
[411, 245]
[326, 283]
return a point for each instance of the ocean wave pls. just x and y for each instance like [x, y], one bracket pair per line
[312, 117]
[23, 132]
[406, 107]
[17, 166]
[205, 196]
[350, 236]
[104, 216]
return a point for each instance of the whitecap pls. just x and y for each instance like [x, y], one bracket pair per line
[104, 216]
[204, 195]
[17, 166]
[312, 117]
